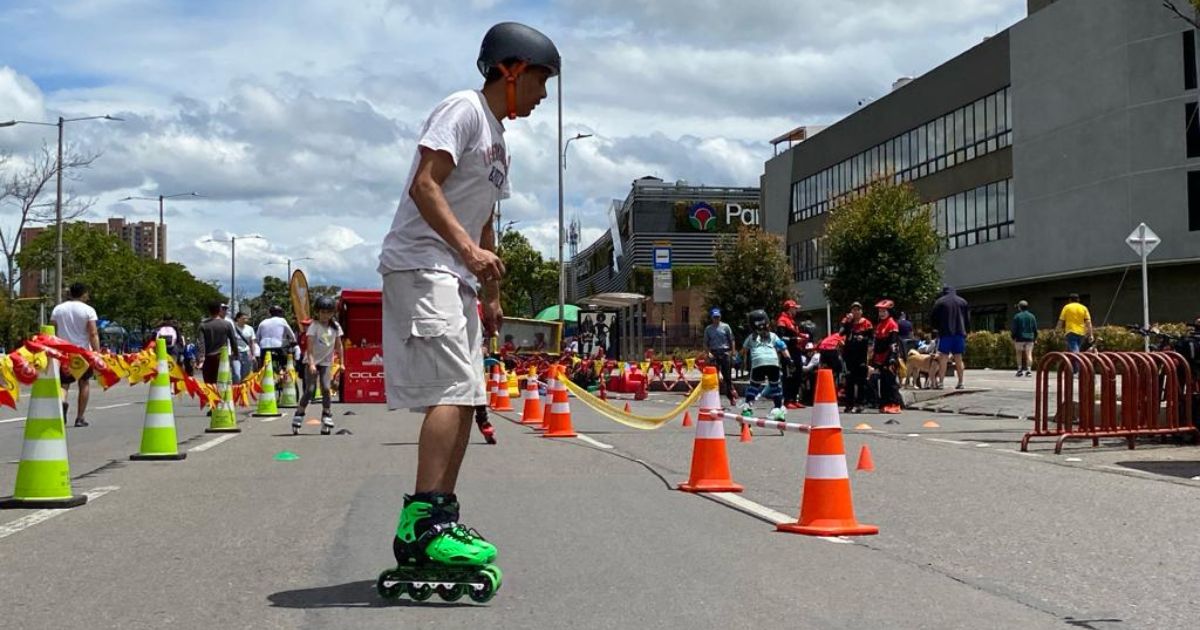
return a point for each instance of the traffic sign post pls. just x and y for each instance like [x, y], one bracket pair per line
[1143, 240]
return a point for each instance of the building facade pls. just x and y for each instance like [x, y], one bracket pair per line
[139, 236]
[689, 220]
[1037, 151]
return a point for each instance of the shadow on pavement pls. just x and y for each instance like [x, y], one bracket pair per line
[1185, 469]
[359, 594]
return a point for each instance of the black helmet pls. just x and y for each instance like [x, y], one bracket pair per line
[759, 320]
[324, 303]
[510, 41]
[276, 310]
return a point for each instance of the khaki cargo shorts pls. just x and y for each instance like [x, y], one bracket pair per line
[432, 341]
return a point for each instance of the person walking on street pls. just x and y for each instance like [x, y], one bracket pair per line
[75, 321]
[1076, 320]
[951, 316]
[247, 346]
[216, 332]
[907, 341]
[1024, 334]
[438, 261]
[275, 335]
[718, 340]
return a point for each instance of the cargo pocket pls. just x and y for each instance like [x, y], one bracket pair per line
[425, 346]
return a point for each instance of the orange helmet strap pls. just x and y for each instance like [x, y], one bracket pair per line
[510, 80]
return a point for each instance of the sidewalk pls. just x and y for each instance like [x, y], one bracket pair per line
[996, 393]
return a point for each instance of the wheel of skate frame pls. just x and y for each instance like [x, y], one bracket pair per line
[452, 593]
[388, 591]
[491, 583]
[420, 593]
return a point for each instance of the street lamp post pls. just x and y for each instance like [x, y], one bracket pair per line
[289, 265]
[233, 266]
[58, 253]
[160, 246]
[562, 167]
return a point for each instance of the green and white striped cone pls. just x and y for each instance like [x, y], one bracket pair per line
[159, 441]
[224, 418]
[288, 398]
[266, 400]
[44, 473]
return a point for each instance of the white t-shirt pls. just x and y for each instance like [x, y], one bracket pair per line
[273, 332]
[70, 322]
[243, 340]
[322, 341]
[463, 126]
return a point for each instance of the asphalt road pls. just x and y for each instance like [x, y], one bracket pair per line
[592, 535]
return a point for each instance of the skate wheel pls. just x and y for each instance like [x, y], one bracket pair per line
[387, 590]
[452, 593]
[420, 593]
[491, 581]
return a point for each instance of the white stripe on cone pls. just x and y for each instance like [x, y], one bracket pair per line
[710, 430]
[560, 408]
[825, 415]
[44, 409]
[160, 393]
[44, 451]
[159, 420]
[826, 467]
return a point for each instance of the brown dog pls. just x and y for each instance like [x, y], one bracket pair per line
[918, 364]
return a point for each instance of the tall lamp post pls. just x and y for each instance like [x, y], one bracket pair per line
[160, 246]
[58, 249]
[289, 262]
[562, 167]
[233, 265]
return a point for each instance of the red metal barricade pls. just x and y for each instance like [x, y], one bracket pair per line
[1120, 394]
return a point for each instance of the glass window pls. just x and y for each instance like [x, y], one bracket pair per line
[990, 101]
[939, 137]
[959, 117]
[950, 209]
[922, 143]
[904, 161]
[968, 125]
[1011, 198]
[993, 209]
[1001, 113]
[981, 206]
[967, 212]
[1008, 110]
[980, 121]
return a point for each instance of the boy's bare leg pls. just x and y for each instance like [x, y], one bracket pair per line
[85, 393]
[443, 442]
[960, 366]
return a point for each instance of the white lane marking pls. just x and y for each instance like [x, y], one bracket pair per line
[594, 442]
[29, 520]
[945, 441]
[1026, 454]
[213, 442]
[6, 421]
[914, 435]
[773, 516]
[982, 445]
[1129, 470]
[1074, 459]
[125, 404]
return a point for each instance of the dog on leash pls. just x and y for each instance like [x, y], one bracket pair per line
[918, 364]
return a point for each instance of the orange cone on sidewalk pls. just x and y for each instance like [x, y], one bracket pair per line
[687, 418]
[710, 463]
[627, 409]
[866, 463]
[532, 411]
[503, 403]
[826, 507]
[559, 423]
[746, 433]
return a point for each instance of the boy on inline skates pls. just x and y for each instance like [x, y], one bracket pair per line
[324, 342]
[764, 348]
[438, 260]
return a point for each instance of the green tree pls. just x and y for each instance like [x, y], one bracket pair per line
[751, 273]
[275, 291]
[133, 291]
[530, 283]
[883, 245]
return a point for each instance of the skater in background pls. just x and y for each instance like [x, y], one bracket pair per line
[324, 342]
[857, 331]
[763, 349]
[885, 359]
[438, 261]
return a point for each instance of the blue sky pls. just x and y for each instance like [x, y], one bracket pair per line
[296, 118]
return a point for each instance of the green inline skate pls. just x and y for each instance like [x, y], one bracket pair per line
[436, 554]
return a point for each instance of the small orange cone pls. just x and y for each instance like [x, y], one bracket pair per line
[710, 464]
[559, 423]
[866, 463]
[862, 426]
[930, 424]
[503, 402]
[746, 433]
[532, 412]
[826, 505]
[312, 422]
[627, 409]
[687, 418]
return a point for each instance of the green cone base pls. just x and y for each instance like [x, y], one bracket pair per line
[12, 503]
[266, 415]
[223, 430]
[164, 457]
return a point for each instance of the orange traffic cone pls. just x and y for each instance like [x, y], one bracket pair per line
[710, 464]
[503, 403]
[491, 388]
[532, 412]
[559, 424]
[826, 507]
[687, 418]
[746, 432]
[866, 463]
[627, 409]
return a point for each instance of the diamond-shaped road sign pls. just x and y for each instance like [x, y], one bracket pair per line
[1143, 240]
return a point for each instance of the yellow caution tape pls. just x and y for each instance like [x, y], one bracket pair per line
[646, 423]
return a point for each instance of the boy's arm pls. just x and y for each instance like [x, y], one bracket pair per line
[492, 311]
[426, 191]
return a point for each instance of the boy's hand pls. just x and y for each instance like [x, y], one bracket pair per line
[493, 315]
[312, 369]
[486, 265]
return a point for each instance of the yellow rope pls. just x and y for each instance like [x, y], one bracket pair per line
[646, 423]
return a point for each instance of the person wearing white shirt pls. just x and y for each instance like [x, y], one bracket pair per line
[75, 322]
[276, 337]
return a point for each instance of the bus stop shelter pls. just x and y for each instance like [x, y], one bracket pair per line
[631, 313]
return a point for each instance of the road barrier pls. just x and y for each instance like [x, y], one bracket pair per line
[1112, 394]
